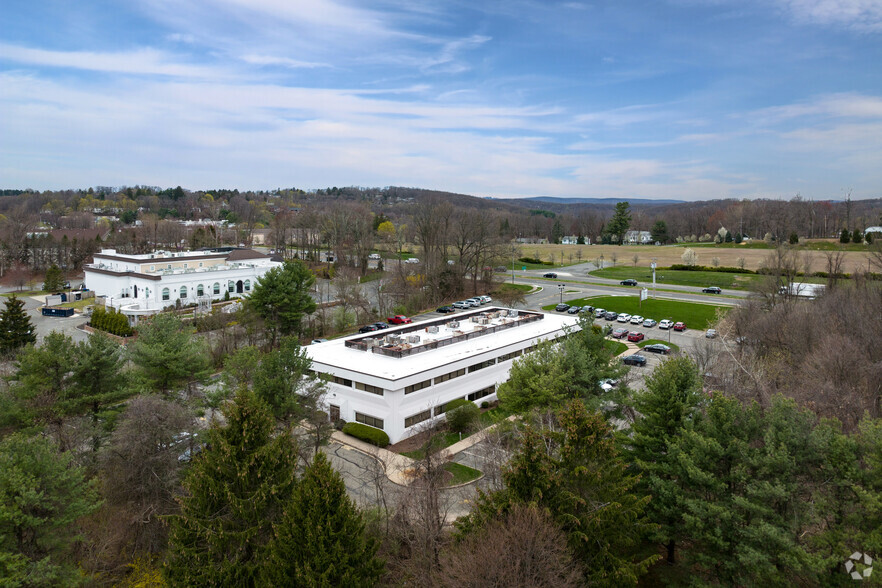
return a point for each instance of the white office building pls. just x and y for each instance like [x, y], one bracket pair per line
[398, 379]
[141, 285]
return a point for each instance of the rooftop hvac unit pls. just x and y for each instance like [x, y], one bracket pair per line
[393, 339]
[453, 325]
[370, 343]
[483, 321]
[476, 319]
[413, 338]
[432, 329]
[512, 312]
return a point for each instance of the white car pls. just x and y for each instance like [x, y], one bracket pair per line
[649, 323]
[474, 301]
[711, 333]
[412, 260]
[485, 299]
[624, 318]
[636, 319]
[374, 256]
[666, 324]
[462, 304]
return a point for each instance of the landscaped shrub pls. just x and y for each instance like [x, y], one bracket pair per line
[453, 404]
[534, 261]
[705, 268]
[368, 434]
[461, 418]
[110, 321]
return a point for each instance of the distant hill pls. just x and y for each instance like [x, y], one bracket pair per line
[556, 200]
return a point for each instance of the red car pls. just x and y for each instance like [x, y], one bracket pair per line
[619, 333]
[679, 326]
[398, 319]
[636, 336]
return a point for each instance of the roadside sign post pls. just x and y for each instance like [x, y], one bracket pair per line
[652, 265]
[561, 288]
[644, 294]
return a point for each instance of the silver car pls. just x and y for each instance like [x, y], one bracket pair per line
[648, 323]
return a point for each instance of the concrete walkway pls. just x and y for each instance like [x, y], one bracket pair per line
[468, 442]
[398, 467]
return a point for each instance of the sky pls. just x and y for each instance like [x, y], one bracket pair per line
[673, 99]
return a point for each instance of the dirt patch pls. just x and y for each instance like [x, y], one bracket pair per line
[412, 443]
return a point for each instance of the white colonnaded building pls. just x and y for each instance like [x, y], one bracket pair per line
[400, 378]
[144, 284]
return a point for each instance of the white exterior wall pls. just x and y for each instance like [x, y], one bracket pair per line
[394, 406]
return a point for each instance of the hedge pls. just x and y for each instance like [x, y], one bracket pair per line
[110, 321]
[707, 268]
[371, 435]
[454, 404]
[534, 261]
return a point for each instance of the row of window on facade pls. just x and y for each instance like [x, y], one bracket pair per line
[200, 289]
[425, 415]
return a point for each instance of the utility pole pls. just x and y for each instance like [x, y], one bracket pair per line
[561, 287]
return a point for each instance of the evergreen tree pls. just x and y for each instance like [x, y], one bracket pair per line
[659, 232]
[98, 382]
[167, 355]
[577, 474]
[281, 297]
[235, 492]
[54, 279]
[42, 494]
[16, 328]
[620, 222]
[321, 540]
[844, 236]
[670, 400]
[280, 379]
[857, 236]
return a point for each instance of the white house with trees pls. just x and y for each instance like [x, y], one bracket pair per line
[144, 284]
[399, 379]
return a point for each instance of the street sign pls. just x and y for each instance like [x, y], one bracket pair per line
[644, 294]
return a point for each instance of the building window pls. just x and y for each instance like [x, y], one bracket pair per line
[183, 292]
[186, 265]
[417, 418]
[152, 268]
[200, 290]
[482, 393]
[217, 288]
[342, 382]
[231, 286]
[368, 388]
[369, 420]
[482, 365]
[511, 355]
[248, 285]
[450, 376]
[165, 294]
[418, 386]
[169, 266]
[200, 264]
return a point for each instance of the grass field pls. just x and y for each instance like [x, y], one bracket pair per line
[643, 275]
[696, 316]
[615, 347]
[461, 473]
[729, 254]
[508, 286]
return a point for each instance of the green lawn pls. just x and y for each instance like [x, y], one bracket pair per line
[461, 473]
[615, 347]
[695, 315]
[23, 293]
[495, 415]
[519, 266]
[643, 275]
[645, 342]
[508, 286]
[752, 244]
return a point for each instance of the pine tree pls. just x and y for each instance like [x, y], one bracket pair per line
[235, 492]
[167, 355]
[321, 540]
[282, 298]
[16, 328]
[671, 398]
[42, 494]
[54, 279]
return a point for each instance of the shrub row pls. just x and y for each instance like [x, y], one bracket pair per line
[110, 321]
[534, 260]
[706, 268]
[368, 434]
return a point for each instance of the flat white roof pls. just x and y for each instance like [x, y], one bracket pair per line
[337, 354]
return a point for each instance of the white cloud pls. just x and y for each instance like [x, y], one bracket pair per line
[283, 61]
[860, 15]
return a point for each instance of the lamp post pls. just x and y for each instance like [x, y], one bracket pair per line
[561, 287]
[601, 261]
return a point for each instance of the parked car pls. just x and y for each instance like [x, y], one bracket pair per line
[445, 309]
[368, 329]
[679, 326]
[562, 307]
[611, 315]
[599, 312]
[320, 340]
[624, 317]
[461, 305]
[588, 309]
[574, 309]
[713, 290]
[475, 301]
[485, 299]
[658, 348]
[381, 326]
[551, 275]
[412, 260]
[634, 360]
[398, 319]
[374, 256]
[711, 333]
[665, 324]
[629, 282]
[636, 336]
[608, 384]
[636, 319]
[619, 333]
[649, 323]
[471, 303]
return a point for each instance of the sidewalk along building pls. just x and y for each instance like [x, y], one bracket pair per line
[142, 285]
[399, 379]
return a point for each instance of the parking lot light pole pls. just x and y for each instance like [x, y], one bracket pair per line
[561, 288]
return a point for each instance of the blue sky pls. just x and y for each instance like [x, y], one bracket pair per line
[687, 99]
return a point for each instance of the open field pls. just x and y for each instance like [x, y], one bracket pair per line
[695, 315]
[728, 254]
[643, 275]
